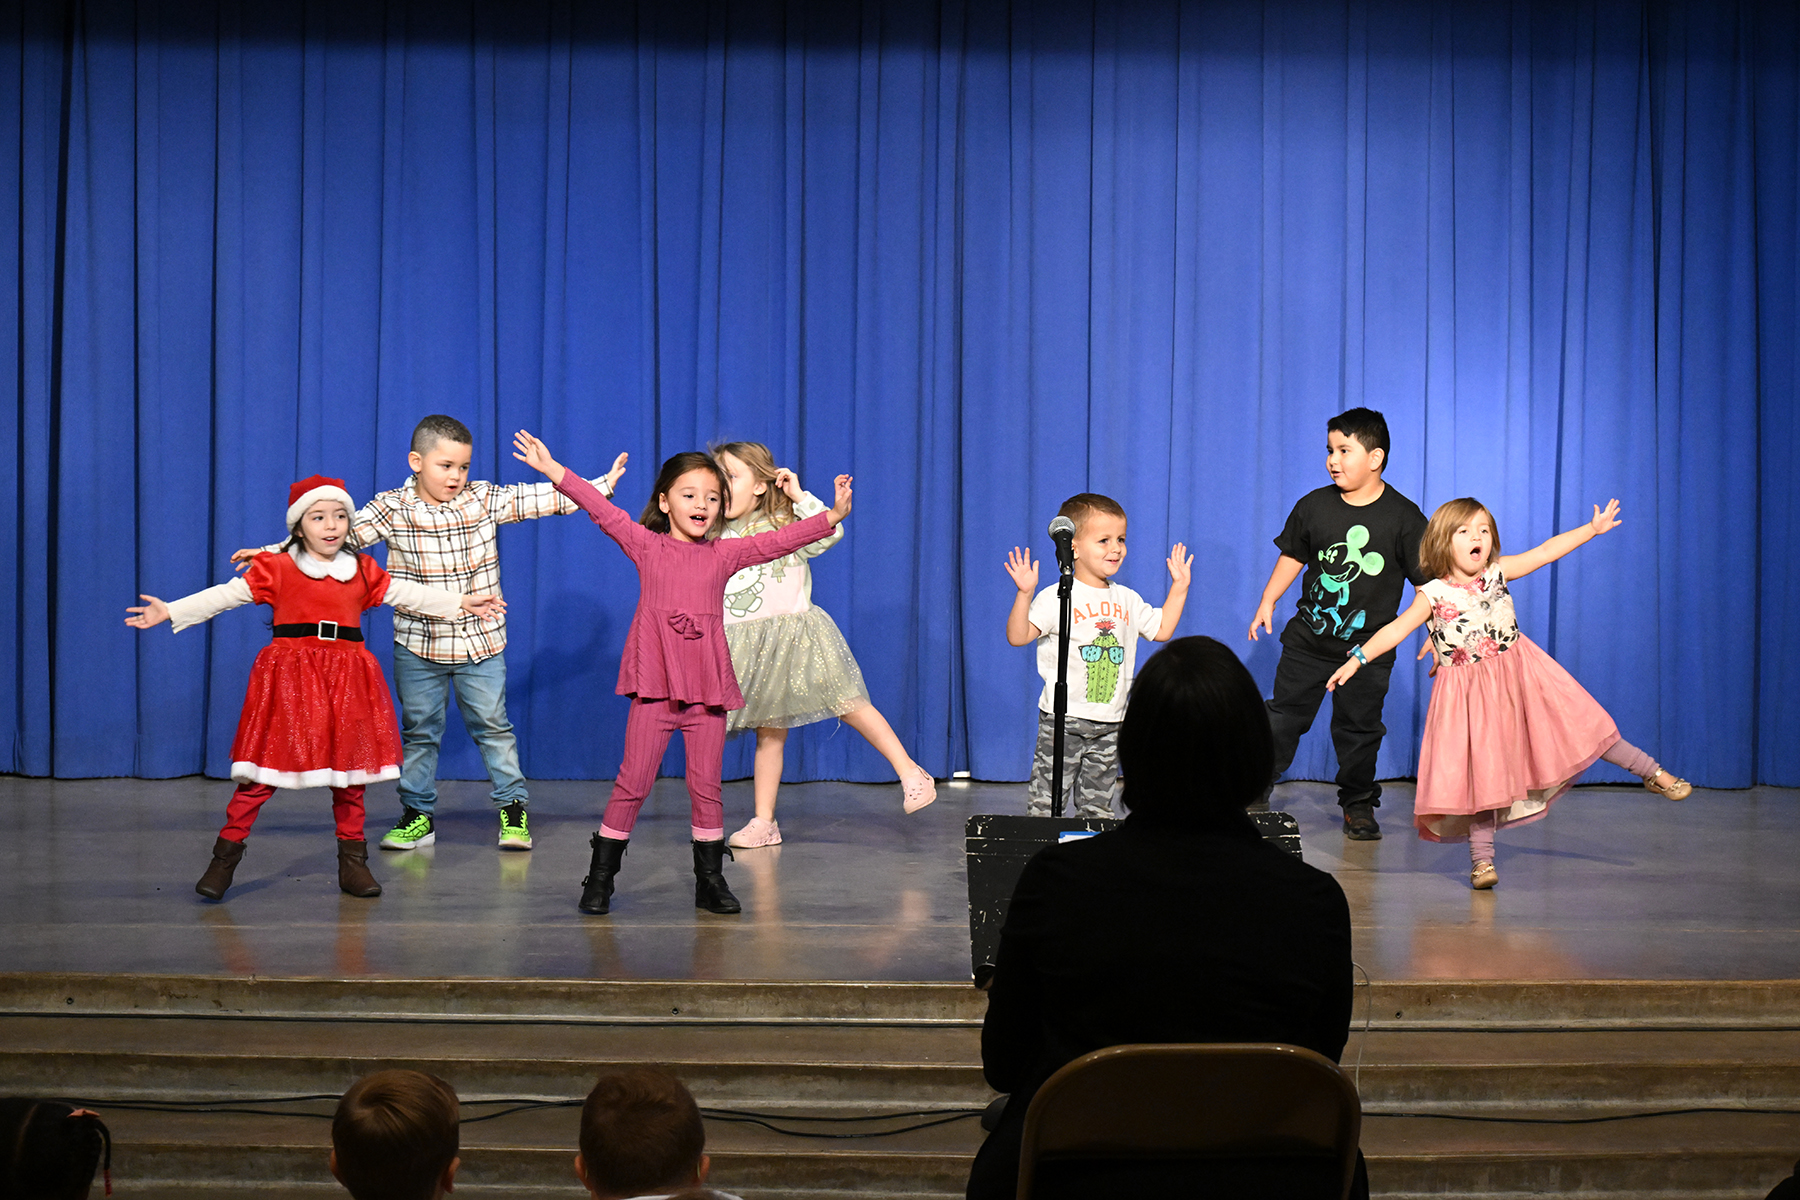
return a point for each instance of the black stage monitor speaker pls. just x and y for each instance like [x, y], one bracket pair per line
[999, 847]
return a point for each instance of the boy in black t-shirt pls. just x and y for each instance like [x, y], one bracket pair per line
[1356, 540]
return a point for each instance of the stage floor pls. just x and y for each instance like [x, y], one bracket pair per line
[1614, 884]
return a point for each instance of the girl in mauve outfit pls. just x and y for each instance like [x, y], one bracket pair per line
[1508, 730]
[676, 667]
[317, 712]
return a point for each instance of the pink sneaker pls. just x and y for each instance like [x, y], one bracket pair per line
[757, 833]
[919, 790]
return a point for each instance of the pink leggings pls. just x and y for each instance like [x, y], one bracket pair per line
[247, 801]
[1621, 754]
[647, 732]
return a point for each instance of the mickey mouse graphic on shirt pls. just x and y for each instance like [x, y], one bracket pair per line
[1340, 565]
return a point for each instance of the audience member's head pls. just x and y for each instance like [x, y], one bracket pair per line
[50, 1150]
[395, 1137]
[640, 1136]
[1195, 745]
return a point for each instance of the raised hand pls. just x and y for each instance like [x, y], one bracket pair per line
[841, 509]
[1181, 565]
[484, 606]
[1024, 572]
[788, 483]
[533, 453]
[242, 557]
[1605, 521]
[154, 613]
[618, 469]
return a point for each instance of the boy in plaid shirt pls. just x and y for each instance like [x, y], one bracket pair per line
[440, 530]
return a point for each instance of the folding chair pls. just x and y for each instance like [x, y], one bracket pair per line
[1262, 1121]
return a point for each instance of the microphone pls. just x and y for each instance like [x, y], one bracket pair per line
[1062, 532]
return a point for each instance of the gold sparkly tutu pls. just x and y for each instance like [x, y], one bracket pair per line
[793, 669]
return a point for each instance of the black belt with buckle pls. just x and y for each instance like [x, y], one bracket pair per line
[325, 631]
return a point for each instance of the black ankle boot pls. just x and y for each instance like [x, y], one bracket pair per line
[710, 891]
[597, 888]
[227, 854]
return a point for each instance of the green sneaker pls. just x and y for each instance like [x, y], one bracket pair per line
[515, 830]
[412, 830]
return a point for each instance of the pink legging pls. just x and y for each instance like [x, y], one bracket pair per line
[647, 732]
[1620, 754]
[247, 801]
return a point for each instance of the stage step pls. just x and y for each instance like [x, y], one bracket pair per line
[1538, 1053]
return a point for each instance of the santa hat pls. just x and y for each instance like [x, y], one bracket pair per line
[310, 491]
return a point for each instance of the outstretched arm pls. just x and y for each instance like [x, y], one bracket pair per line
[1385, 639]
[1019, 629]
[203, 605]
[1517, 566]
[1280, 579]
[1181, 565]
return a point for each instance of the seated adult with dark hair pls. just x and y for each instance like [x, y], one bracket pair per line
[641, 1138]
[1182, 925]
[395, 1136]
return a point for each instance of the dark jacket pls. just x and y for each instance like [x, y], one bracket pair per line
[1156, 933]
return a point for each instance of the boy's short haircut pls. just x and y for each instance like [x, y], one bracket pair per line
[439, 428]
[640, 1133]
[395, 1134]
[1367, 426]
[1079, 507]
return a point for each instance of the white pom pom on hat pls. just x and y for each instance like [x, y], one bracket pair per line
[311, 490]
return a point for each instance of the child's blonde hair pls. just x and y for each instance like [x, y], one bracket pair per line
[773, 505]
[1435, 554]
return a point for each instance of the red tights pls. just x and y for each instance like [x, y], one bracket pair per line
[247, 801]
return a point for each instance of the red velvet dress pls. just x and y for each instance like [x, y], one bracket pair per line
[317, 713]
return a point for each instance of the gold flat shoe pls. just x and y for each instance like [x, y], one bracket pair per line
[1482, 876]
[1675, 789]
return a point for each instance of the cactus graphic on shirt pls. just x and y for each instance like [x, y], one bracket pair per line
[1103, 656]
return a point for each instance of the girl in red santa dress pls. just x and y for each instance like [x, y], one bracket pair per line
[317, 712]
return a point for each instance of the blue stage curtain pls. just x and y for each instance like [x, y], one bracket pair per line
[981, 255]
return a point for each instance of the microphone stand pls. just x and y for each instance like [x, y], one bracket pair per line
[1059, 702]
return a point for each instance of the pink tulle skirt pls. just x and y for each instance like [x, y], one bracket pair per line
[1507, 734]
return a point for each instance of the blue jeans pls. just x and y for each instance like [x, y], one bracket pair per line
[424, 700]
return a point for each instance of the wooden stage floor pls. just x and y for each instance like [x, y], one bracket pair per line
[98, 874]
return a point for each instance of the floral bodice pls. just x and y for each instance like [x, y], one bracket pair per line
[1471, 621]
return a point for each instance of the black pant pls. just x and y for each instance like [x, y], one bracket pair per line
[1356, 728]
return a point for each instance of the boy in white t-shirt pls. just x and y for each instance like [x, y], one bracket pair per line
[1106, 620]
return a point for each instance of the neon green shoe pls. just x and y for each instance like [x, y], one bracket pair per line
[515, 830]
[412, 830]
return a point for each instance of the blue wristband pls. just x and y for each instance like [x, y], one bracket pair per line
[1356, 652]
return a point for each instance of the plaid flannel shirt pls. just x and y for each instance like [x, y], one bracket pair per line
[452, 546]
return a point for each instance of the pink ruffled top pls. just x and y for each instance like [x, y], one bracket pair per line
[675, 648]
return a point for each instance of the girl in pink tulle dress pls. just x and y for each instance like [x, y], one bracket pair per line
[1508, 730]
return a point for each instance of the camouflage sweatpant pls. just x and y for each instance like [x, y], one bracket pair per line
[1090, 766]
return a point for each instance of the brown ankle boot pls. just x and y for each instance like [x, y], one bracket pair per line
[226, 856]
[353, 869]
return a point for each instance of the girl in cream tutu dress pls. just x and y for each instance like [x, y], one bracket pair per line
[1508, 730]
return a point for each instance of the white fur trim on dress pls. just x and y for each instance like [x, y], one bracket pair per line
[342, 566]
[308, 499]
[249, 772]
